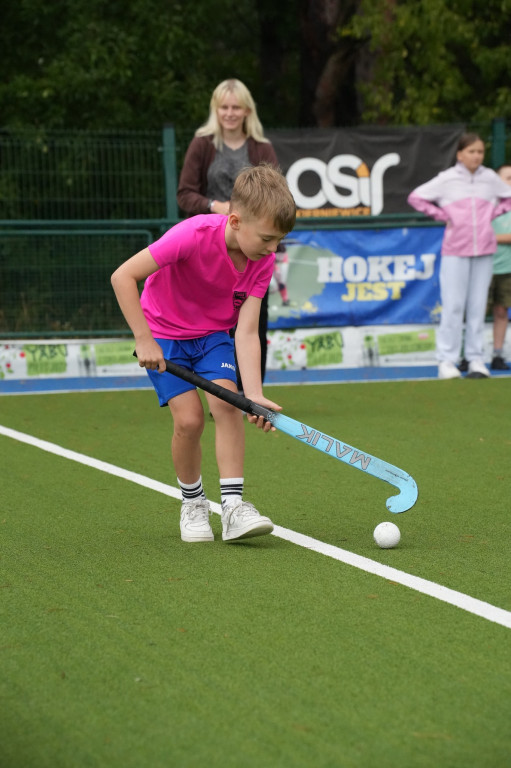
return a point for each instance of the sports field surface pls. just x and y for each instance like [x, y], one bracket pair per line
[123, 647]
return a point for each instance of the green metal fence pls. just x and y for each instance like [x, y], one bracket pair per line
[74, 205]
[87, 175]
[57, 284]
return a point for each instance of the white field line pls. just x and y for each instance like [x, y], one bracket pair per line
[446, 595]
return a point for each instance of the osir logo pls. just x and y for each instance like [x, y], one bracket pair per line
[364, 188]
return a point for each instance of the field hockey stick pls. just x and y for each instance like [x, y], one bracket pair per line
[309, 436]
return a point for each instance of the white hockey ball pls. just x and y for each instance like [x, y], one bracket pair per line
[387, 535]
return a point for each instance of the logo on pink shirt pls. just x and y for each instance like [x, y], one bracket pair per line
[238, 298]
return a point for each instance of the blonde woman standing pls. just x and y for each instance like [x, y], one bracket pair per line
[232, 138]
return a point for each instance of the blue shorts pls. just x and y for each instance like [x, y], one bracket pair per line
[210, 356]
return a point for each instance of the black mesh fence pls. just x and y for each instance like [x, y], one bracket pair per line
[58, 283]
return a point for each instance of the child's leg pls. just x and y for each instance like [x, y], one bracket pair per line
[240, 519]
[188, 415]
[284, 269]
[454, 275]
[477, 298]
[229, 434]
[500, 291]
[282, 276]
[500, 320]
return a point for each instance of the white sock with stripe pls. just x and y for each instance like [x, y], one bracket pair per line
[231, 489]
[192, 491]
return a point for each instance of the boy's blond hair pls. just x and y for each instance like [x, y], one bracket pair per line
[261, 191]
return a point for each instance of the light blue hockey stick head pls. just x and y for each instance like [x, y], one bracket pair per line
[407, 496]
[355, 458]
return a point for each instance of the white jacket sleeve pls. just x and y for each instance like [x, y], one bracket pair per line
[423, 199]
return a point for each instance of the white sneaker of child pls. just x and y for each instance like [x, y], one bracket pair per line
[447, 370]
[195, 521]
[241, 520]
[477, 370]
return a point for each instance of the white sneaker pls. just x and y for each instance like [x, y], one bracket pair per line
[447, 370]
[195, 521]
[241, 520]
[477, 370]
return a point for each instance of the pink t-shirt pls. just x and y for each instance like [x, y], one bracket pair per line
[197, 290]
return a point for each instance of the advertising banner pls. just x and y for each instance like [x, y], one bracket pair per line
[361, 171]
[357, 277]
[376, 346]
[295, 349]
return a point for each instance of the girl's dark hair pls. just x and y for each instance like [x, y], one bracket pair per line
[467, 139]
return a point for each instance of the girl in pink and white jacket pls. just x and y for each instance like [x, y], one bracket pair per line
[467, 197]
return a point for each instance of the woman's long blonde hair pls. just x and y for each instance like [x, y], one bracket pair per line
[251, 126]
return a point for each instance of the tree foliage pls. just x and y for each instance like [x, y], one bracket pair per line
[136, 65]
[433, 61]
[92, 64]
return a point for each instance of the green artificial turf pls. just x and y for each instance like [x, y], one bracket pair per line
[122, 646]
